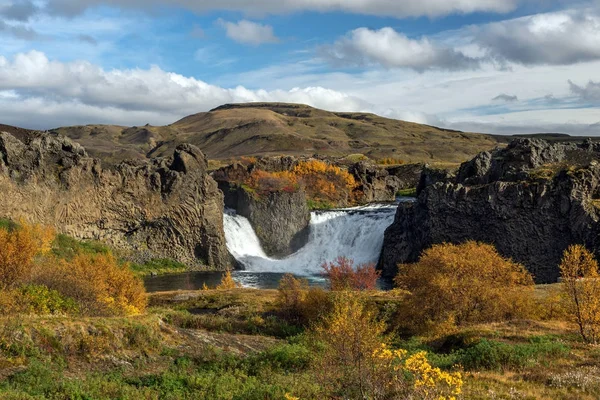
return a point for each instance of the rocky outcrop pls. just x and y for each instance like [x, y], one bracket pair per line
[280, 219]
[161, 208]
[377, 183]
[531, 200]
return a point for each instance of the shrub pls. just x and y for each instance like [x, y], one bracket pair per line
[38, 299]
[391, 161]
[357, 362]
[492, 355]
[18, 248]
[265, 182]
[301, 303]
[581, 285]
[96, 282]
[227, 282]
[343, 276]
[453, 285]
[325, 183]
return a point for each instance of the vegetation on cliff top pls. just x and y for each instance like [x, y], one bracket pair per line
[325, 185]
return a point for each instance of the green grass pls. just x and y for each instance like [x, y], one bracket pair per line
[412, 192]
[319, 205]
[158, 267]
[66, 247]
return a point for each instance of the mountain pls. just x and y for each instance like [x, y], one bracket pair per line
[258, 129]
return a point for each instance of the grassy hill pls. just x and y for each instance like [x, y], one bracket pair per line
[258, 129]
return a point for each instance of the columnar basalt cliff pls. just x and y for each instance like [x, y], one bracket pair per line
[161, 208]
[280, 219]
[531, 200]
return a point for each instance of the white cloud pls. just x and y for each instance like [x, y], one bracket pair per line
[249, 32]
[560, 38]
[387, 8]
[65, 93]
[391, 49]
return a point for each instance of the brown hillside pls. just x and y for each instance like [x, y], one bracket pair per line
[257, 129]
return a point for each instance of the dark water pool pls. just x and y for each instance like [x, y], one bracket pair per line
[256, 280]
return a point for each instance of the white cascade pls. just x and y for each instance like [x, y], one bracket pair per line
[356, 233]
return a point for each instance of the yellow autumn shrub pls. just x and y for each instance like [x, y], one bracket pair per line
[357, 361]
[453, 285]
[227, 282]
[581, 286]
[18, 249]
[98, 283]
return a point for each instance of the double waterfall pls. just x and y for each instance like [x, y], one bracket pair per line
[356, 233]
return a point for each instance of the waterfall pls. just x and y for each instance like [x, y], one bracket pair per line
[356, 233]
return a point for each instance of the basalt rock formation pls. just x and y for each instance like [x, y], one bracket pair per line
[377, 183]
[160, 208]
[280, 219]
[531, 200]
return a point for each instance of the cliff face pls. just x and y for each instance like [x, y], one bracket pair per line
[280, 219]
[379, 183]
[531, 200]
[161, 208]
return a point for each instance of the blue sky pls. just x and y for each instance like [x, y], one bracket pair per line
[502, 66]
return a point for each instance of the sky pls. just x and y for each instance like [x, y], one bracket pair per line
[494, 66]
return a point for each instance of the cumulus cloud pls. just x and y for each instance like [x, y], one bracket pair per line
[387, 8]
[249, 32]
[589, 93]
[391, 49]
[506, 98]
[50, 90]
[19, 10]
[560, 38]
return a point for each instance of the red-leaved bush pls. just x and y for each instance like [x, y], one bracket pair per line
[344, 276]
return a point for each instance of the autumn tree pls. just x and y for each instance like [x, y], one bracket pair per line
[18, 248]
[452, 285]
[227, 282]
[581, 285]
[343, 275]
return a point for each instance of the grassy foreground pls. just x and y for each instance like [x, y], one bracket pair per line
[233, 344]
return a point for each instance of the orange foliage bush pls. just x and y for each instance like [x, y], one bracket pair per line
[324, 182]
[98, 283]
[452, 285]
[18, 249]
[343, 276]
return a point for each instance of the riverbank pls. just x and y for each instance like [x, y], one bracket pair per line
[234, 344]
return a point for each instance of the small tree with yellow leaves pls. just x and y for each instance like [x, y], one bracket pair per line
[358, 363]
[227, 282]
[581, 285]
[18, 250]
